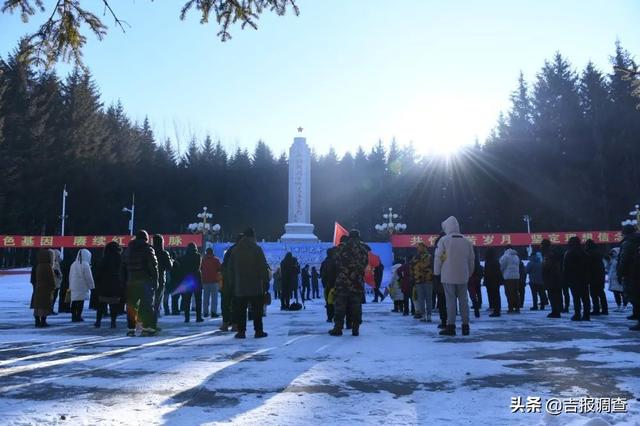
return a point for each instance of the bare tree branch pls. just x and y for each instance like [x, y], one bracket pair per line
[60, 38]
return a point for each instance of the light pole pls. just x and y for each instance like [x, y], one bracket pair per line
[63, 217]
[131, 210]
[203, 227]
[390, 227]
[527, 220]
[636, 217]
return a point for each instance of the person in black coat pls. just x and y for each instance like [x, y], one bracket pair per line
[290, 270]
[552, 277]
[378, 273]
[306, 283]
[441, 302]
[164, 268]
[315, 283]
[575, 266]
[329, 275]
[190, 271]
[492, 280]
[110, 287]
[596, 278]
[629, 270]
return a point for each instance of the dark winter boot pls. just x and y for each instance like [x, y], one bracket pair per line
[442, 325]
[240, 335]
[113, 323]
[43, 322]
[465, 329]
[336, 331]
[37, 321]
[355, 330]
[450, 330]
[260, 335]
[575, 318]
[494, 315]
[476, 313]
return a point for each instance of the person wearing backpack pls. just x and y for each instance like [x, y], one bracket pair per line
[629, 270]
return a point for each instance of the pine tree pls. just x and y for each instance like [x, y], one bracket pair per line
[193, 154]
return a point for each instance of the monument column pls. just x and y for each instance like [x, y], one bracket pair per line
[299, 228]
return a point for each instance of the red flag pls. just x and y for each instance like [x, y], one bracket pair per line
[374, 262]
[338, 233]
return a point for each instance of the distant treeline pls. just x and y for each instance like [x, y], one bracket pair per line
[567, 153]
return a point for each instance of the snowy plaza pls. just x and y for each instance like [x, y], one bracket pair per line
[399, 371]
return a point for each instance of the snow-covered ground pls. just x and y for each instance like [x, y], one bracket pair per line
[398, 371]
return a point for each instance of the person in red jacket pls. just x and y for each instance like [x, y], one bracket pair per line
[211, 269]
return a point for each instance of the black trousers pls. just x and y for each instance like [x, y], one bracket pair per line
[285, 298]
[442, 303]
[408, 300]
[76, 310]
[522, 286]
[581, 302]
[537, 292]
[599, 298]
[306, 292]
[102, 310]
[186, 303]
[175, 304]
[555, 298]
[315, 292]
[495, 300]
[621, 299]
[240, 305]
[377, 294]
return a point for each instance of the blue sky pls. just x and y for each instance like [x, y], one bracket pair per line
[436, 73]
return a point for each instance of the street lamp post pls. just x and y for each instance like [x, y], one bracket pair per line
[527, 220]
[131, 210]
[204, 227]
[389, 227]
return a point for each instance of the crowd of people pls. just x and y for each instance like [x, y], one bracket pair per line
[145, 281]
[455, 274]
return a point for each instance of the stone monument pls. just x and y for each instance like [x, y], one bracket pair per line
[299, 228]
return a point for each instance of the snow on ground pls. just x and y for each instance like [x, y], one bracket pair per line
[398, 371]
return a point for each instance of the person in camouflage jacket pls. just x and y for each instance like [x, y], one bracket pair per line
[422, 276]
[352, 258]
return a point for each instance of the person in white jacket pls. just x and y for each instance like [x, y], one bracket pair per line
[454, 262]
[615, 285]
[80, 283]
[510, 267]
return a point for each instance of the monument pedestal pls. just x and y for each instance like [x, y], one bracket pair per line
[298, 233]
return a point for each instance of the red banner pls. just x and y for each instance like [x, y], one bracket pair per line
[92, 241]
[517, 239]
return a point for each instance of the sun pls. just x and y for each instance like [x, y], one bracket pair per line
[439, 128]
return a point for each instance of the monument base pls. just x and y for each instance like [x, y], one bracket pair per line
[299, 233]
